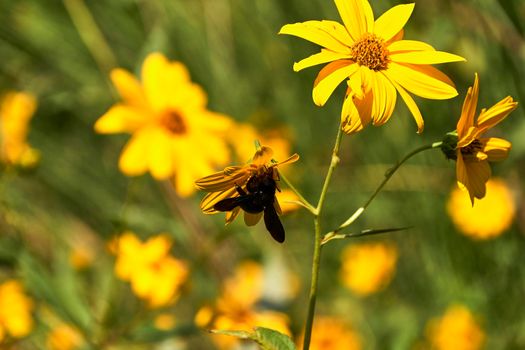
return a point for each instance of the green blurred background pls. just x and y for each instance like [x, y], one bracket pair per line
[62, 51]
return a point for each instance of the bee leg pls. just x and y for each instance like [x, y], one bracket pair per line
[240, 190]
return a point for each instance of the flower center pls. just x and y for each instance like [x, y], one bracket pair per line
[371, 52]
[173, 121]
[471, 149]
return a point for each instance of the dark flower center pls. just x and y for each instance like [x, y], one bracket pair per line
[471, 149]
[371, 52]
[174, 122]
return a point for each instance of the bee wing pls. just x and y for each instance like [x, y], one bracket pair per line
[273, 224]
[228, 204]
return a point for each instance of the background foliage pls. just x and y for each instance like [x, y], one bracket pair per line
[76, 195]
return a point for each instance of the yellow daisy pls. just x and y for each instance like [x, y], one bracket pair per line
[168, 119]
[377, 62]
[16, 110]
[233, 181]
[15, 311]
[473, 153]
[332, 333]
[490, 217]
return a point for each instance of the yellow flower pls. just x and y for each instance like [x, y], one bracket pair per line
[165, 322]
[236, 307]
[173, 132]
[331, 333]
[154, 274]
[16, 110]
[376, 60]
[456, 330]
[473, 153]
[64, 337]
[233, 180]
[368, 267]
[15, 311]
[285, 199]
[491, 216]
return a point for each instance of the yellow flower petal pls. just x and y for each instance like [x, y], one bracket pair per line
[252, 219]
[411, 104]
[356, 113]
[473, 175]
[468, 111]
[408, 45]
[330, 77]
[495, 114]
[384, 99]
[160, 154]
[495, 148]
[263, 156]
[425, 57]
[392, 21]
[184, 181]
[156, 248]
[357, 16]
[128, 88]
[322, 57]
[424, 81]
[211, 198]
[120, 118]
[316, 33]
[134, 158]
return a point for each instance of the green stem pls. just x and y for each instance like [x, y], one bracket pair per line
[317, 244]
[307, 205]
[388, 175]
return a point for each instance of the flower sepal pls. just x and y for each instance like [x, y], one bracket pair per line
[449, 145]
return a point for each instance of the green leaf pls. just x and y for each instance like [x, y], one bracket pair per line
[268, 339]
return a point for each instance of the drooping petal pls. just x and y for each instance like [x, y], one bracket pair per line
[356, 113]
[409, 101]
[252, 219]
[392, 21]
[473, 175]
[223, 180]
[263, 156]
[495, 148]
[128, 88]
[466, 120]
[422, 80]
[424, 57]
[408, 46]
[330, 77]
[316, 33]
[120, 118]
[322, 57]
[134, 158]
[231, 215]
[495, 114]
[212, 198]
[384, 99]
[357, 16]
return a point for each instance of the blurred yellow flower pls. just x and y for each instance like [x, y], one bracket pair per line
[64, 337]
[16, 110]
[490, 217]
[233, 181]
[455, 330]
[331, 333]
[15, 311]
[376, 60]
[174, 135]
[285, 199]
[154, 274]
[165, 322]
[236, 308]
[368, 267]
[473, 153]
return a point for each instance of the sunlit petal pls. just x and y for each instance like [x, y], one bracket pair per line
[120, 118]
[134, 158]
[357, 16]
[425, 57]
[329, 78]
[408, 46]
[128, 88]
[322, 57]
[315, 32]
[409, 101]
[384, 99]
[356, 113]
[468, 111]
[495, 114]
[495, 148]
[392, 21]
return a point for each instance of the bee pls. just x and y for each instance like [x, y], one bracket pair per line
[258, 197]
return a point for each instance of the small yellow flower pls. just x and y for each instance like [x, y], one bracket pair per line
[473, 153]
[15, 311]
[234, 179]
[165, 322]
[16, 110]
[490, 217]
[154, 274]
[455, 330]
[376, 60]
[64, 337]
[331, 333]
[368, 267]
[173, 132]
[236, 307]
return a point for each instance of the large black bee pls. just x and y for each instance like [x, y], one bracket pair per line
[259, 196]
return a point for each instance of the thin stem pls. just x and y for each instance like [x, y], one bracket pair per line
[388, 175]
[316, 261]
[307, 205]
